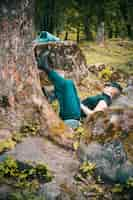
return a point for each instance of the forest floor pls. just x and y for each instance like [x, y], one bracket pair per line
[64, 164]
[116, 53]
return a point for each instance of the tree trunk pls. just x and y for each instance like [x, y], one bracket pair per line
[110, 32]
[87, 31]
[66, 36]
[129, 31]
[78, 35]
[21, 98]
[100, 34]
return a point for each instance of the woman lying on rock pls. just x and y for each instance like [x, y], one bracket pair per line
[71, 109]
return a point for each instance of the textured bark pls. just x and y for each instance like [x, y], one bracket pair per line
[21, 97]
[78, 35]
[87, 30]
[66, 36]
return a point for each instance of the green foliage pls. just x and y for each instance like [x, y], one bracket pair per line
[87, 168]
[17, 137]
[23, 175]
[122, 188]
[59, 16]
[129, 183]
[30, 128]
[50, 15]
[105, 74]
[118, 188]
[7, 144]
[86, 172]
[78, 133]
[88, 182]
[24, 195]
[42, 173]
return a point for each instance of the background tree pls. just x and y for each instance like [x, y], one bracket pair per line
[86, 16]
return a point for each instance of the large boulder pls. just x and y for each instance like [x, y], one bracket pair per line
[110, 159]
[108, 143]
[61, 163]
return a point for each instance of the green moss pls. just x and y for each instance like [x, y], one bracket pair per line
[30, 128]
[17, 137]
[7, 144]
[27, 129]
[118, 188]
[23, 175]
[87, 168]
[78, 134]
[129, 183]
[105, 74]
[123, 188]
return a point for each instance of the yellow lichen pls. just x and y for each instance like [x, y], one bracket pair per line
[58, 128]
[7, 144]
[105, 74]
[55, 106]
[23, 175]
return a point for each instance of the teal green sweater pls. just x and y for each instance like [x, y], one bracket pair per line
[66, 94]
[69, 101]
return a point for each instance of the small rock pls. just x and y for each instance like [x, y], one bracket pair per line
[92, 151]
[124, 101]
[51, 191]
[4, 134]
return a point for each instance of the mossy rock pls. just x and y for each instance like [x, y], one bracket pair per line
[108, 142]
[23, 176]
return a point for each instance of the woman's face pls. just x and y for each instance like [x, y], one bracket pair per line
[114, 92]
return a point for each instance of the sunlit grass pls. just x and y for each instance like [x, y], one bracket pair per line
[116, 53]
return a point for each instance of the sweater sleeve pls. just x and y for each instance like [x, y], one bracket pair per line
[89, 101]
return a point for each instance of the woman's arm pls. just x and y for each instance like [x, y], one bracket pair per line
[101, 106]
[86, 110]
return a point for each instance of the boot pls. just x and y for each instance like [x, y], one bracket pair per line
[42, 61]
